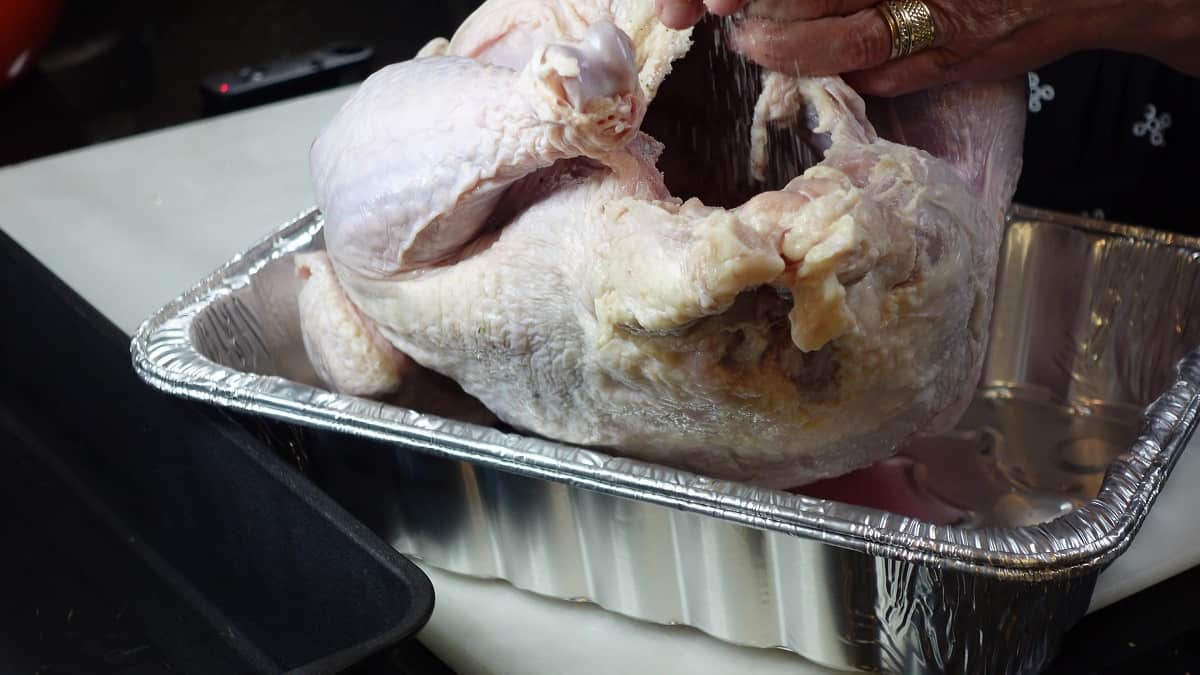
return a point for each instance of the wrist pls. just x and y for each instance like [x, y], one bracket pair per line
[1165, 30]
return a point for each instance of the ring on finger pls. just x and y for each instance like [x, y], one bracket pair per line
[911, 25]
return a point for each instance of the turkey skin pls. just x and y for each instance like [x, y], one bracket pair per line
[495, 213]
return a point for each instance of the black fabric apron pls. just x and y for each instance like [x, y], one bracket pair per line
[1115, 136]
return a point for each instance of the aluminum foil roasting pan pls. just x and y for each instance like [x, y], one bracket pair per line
[971, 552]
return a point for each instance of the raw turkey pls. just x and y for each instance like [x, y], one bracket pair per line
[494, 212]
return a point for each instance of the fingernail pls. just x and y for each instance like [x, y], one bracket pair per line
[724, 7]
[679, 14]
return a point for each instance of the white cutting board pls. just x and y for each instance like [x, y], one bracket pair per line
[131, 224]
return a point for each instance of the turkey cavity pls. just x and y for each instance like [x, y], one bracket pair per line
[703, 114]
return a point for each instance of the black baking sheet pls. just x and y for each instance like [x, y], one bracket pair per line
[187, 543]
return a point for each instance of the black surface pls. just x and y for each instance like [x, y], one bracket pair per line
[154, 535]
[1155, 631]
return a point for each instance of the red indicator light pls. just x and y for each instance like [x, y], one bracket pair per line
[224, 88]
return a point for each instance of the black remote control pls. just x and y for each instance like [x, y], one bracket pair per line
[329, 66]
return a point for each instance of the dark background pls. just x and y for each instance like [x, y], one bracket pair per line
[128, 66]
[122, 67]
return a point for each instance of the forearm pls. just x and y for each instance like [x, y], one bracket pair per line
[976, 39]
[1166, 30]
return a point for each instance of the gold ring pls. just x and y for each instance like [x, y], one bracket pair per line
[911, 25]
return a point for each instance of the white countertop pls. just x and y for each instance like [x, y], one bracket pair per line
[131, 224]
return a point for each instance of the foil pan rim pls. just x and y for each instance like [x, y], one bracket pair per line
[1077, 542]
[1105, 227]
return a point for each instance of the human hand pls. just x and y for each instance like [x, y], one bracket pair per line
[684, 13]
[976, 39]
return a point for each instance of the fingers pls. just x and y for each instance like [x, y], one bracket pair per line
[679, 14]
[824, 46]
[725, 7]
[1024, 49]
[896, 78]
[792, 10]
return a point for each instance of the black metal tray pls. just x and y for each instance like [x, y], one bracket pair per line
[226, 558]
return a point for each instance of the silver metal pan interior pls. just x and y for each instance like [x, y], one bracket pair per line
[993, 532]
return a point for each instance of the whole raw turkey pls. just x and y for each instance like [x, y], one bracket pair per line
[494, 213]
